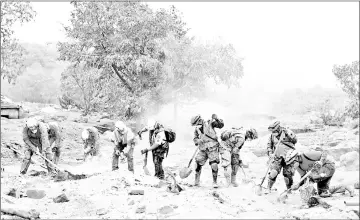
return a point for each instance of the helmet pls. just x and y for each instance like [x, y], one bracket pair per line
[252, 134]
[152, 124]
[32, 124]
[274, 125]
[85, 134]
[120, 126]
[195, 119]
[225, 135]
[290, 156]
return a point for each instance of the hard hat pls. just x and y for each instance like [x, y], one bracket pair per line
[32, 124]
[225, 135]
[290, 156]
[195, 119]
[153, 124]
[252, 133]
[85, 134]
[274, 125]
[120, 126]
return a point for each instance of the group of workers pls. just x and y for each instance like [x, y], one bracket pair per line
[44, 138]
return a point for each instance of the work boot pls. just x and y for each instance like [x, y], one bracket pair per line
[233, 176]
[270, 185]
[215, 185]
[197, 178]
[325, 194]
[228, 180]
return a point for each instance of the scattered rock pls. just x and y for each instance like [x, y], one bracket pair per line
[350, 160]
[136, 192]
[37, 173]
[35, 194]
[356, 185]
[61, 198]
[101, 211]
[140, 209]
[356, 132]
[11, 192]
[343, 148]
[166, 210]
[131, 202]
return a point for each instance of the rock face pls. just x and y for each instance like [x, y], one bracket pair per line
[350, 160]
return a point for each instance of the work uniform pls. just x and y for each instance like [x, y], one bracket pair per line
[124, 143]
[306, 162]
[91, 145]
[158, 136]
[288, 143]
[206, 139]
[230, 152]
[54, 140]
[39, 140]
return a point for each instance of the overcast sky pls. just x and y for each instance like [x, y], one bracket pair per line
[285, 44]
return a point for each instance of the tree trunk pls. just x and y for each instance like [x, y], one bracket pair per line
[122, 78]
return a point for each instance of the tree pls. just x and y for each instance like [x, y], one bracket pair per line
[12, 54]
[348, 75]
[190, 65]
[121, 38]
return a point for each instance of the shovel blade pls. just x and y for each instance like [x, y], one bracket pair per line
[185, 172]
[146, 171]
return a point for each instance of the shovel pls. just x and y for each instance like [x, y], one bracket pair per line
[186, 171]
[146, 170]
[32, 160]
[284, 195]
[258, 188]
[62, 174]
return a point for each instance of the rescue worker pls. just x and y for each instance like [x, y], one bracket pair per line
[232, 141]
[287, 140]
[124, 145]
[54, 140]
[321, 166]
[90, 137]
[206, 139]
[158, 145]
[36, 138]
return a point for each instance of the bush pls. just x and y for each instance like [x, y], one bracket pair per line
[329, 116]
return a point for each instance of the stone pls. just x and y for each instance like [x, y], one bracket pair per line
[35, 194]
[166, 210]
[140, 209]
[61, 198]
[136, 192]
[350, 160]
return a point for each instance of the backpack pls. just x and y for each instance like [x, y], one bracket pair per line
[170, 135]
[291, 135]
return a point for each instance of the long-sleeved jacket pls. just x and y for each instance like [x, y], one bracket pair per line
[124, 140]
[205, 137]
[235, 142]
[288, 142]
[39, 139]
[158, 137]
[54, 133]
[93, 140]
[307, 160]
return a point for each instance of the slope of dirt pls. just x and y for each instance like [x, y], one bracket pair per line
[104, 194]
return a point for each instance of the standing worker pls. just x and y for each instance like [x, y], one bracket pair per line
[206, 139]
[90, 137]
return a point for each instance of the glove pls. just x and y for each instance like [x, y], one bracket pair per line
[54, 149]
[144, 151]
[139, 133]
[214, 116]
[117, 152]
[318, 164]
[295, 187]
[36, 150]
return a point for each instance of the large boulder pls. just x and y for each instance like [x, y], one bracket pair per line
[350, 160]
[342, 148]
[108, 135]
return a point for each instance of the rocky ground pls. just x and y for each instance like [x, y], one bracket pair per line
[105, 193]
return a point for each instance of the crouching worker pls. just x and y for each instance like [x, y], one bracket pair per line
[232, 141]
[36, 138]
[90, 137]
[54, 140]
[322, 169]
[124, 145]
